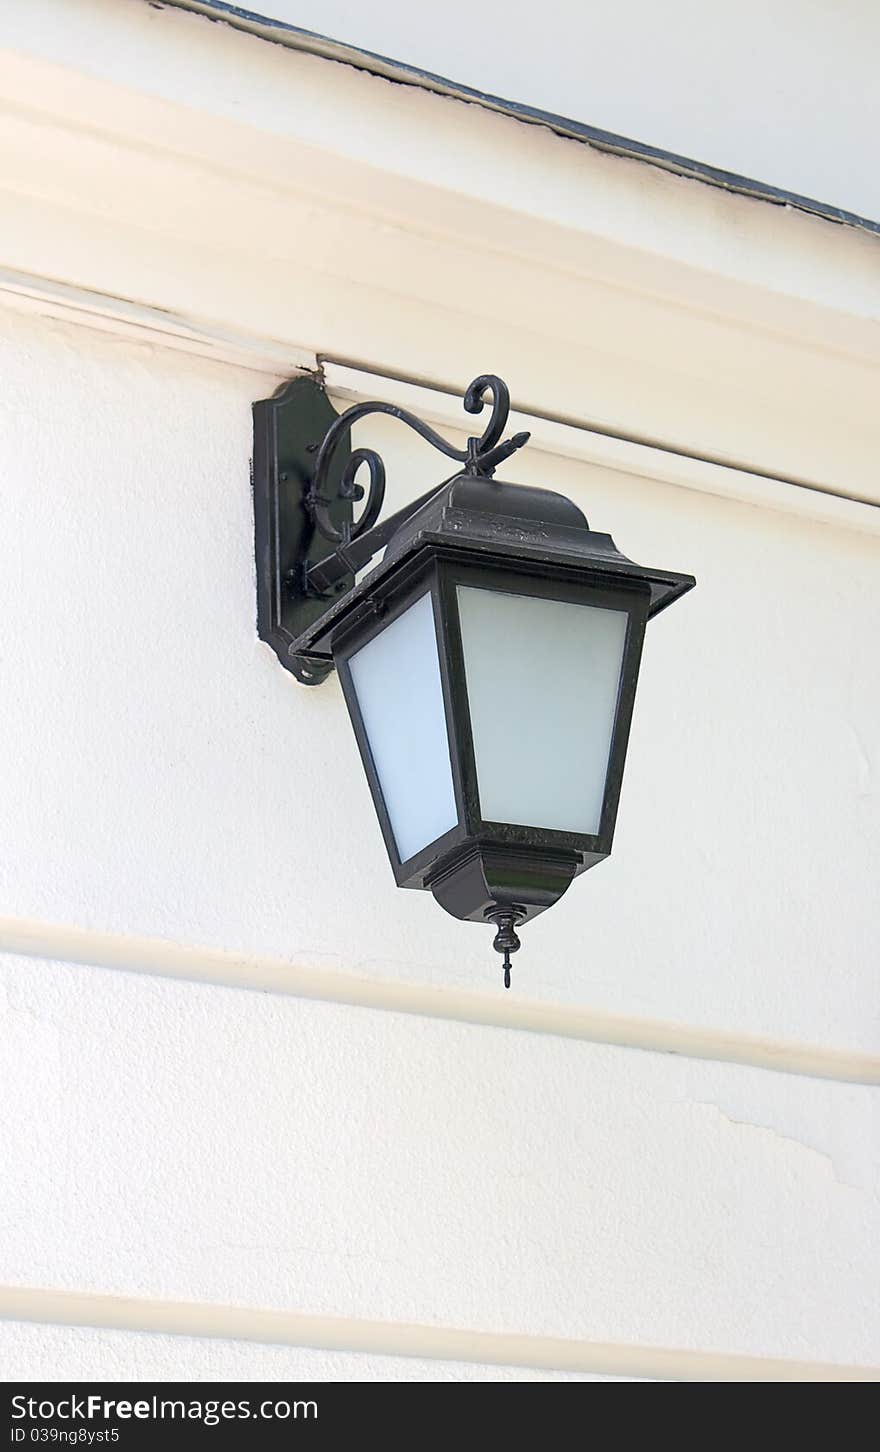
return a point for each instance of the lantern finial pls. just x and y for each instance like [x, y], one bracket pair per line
[506, 940]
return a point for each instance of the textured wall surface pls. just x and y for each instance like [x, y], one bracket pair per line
[214, 1145]
[71, 1353]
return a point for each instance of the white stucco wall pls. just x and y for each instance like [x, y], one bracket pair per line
[250, 1152]
[61, 1353]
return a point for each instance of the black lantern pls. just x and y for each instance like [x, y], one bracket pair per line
[489, 662]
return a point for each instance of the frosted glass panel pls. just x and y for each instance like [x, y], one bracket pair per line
[542, 680]
[396, 678]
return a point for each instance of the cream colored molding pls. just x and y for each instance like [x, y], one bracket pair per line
[396, 1338]
[191, 169]
[54, 942]
[273, 361]
[125, 319]
[574, 441]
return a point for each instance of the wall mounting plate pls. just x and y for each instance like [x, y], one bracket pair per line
[288, 430]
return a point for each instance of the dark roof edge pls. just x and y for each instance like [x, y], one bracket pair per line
[282, 33]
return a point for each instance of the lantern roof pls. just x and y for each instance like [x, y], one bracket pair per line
[488, 519]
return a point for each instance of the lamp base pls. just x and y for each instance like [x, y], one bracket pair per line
[489, 879]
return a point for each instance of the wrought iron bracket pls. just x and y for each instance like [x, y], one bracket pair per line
[305, 488]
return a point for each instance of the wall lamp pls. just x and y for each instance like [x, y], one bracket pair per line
[488, 662]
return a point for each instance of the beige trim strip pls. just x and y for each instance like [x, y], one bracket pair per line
[124, 318]
[395, 1338]
[276, 975]
[571, 438]
[574, 439]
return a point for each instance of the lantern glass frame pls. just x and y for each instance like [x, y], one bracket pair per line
[440, 574]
